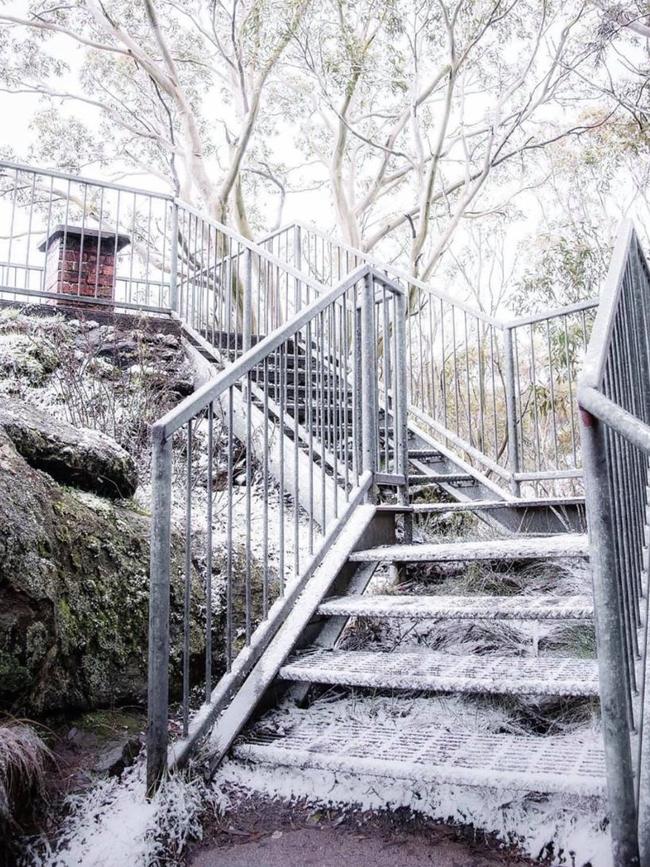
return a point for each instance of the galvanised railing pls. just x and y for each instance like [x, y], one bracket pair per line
[165, 257]
[34, 202]
[501, 393]
[230, 290]
[296, 421]
[614, 399]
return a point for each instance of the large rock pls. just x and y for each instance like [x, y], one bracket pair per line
[80, 457]
[74, 595]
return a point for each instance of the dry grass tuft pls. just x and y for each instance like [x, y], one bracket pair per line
[24, 759]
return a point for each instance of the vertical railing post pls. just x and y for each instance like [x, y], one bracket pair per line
[297, 264]
[159, 583]
[357, 419]
[173, 272]
[368, 379]
[400, 409]
[511, 410]
[247, 325]
[610, 648]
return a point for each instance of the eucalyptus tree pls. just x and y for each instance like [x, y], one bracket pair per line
[173, 88]
[421, 110]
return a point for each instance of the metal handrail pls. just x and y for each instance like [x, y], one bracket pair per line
[384, 267]
[81, 179]
[198, 400]
[596, 356]
[500, 391]
[322, 363]
[399, 273]
[614, 400]
[252, 247]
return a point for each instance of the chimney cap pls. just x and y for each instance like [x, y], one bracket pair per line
[79, 231]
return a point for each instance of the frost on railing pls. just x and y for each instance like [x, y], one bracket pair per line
[34, 204]
[614, 396]
[548, 351]
[230, 291]
[252, 475]
[500, 394]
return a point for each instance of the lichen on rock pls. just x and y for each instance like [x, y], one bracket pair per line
[74, 595]
[76, 456]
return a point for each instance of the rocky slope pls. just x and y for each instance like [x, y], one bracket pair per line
[74, 550]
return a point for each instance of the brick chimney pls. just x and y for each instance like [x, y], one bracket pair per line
[81, 261]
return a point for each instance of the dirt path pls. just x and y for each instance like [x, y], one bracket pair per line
[258, 832]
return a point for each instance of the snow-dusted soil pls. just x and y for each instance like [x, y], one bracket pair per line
[549, 830]
[113, 824]
[270, 832]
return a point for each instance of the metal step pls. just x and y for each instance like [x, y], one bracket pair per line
[461, 607]
[436, 755]
[443, 672]
[426, 479]
[482, 505]
[518, 548]
[424, 454]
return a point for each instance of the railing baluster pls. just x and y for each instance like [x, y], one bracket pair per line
[511, 411]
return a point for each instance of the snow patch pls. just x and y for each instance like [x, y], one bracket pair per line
[113, 824]
[568, 832]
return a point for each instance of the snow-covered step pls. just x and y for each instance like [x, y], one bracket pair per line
[418, 480]
[516, 548]
[397, 750]
[461, 607]
[444, 672]
[481, 505]
[424, 454]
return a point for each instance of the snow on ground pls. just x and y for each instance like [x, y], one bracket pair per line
[543, 826]
[114, 825]
[569, 833]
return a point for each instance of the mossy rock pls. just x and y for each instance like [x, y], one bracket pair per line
[74, 596]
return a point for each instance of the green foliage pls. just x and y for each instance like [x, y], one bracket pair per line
[566, 267]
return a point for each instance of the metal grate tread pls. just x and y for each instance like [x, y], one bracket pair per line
[434, 754]
[518, 548]
[479, 505]
[461, 607]
[417, 479]
[445, 672]
[424, 454]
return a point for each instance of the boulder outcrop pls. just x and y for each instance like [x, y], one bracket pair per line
[74, 595]
[80, 457]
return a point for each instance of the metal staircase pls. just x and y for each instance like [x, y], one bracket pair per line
[541, 763]
[343, 402]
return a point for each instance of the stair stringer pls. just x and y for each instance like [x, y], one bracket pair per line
[333, 494]
[353, 533]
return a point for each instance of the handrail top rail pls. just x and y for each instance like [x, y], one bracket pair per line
[497, 322]
[180, 203]
[601, 333]
[200, 399]
[81, 179]
[256, 247]
[554, 313]
[615, 417]
[398, 273]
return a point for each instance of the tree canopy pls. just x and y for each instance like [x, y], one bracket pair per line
[424, 130]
